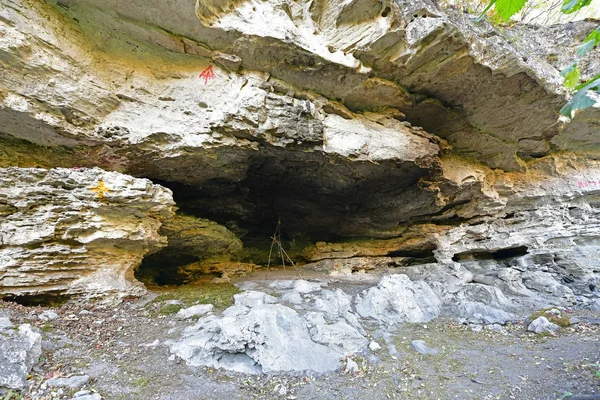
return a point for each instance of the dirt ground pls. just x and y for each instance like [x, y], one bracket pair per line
[122, 348]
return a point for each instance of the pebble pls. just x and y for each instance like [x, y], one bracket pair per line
[93, 396]
[48, 315]
[476, 328]
[351, 366]
[374, 346]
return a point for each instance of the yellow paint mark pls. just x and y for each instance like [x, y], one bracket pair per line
[101, 189]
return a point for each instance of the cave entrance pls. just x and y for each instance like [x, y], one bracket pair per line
[164, 269]
[498, 255]
[34, 300]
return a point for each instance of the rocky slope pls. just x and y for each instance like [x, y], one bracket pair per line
[367, 135]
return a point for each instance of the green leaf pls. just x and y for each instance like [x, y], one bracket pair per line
[571, 77]
[590, 42]
[508, 8]
[566, 395]
[482, 15]
[598, 374]
[595, 79]
[570, 6]
[581, 98]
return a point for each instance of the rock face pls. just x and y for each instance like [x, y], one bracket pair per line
[76, 231]
[20, 350]
[370, 136]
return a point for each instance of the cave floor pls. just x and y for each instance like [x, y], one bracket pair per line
[122, 348]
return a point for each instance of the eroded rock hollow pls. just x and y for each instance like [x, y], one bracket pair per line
[167, 141]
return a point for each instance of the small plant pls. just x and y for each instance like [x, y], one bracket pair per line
[12, 395]
[169, 309]
[561, 319]
[220, 295]
[142, 381]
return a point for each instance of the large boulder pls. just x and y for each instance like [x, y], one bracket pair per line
[397, 299]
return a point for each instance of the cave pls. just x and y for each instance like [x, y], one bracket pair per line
[498, 255]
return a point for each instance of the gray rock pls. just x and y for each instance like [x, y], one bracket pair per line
[253, 298]
[86, 395]
[20, 350]
[291, 297]
[194, 311]
[495, 328]
[339, 335]
[479, 313]
[595, 305]
[5, 323]
[351, 366]
[72, 382]
[48, 315]
[302, 286]
[398, 299]
[542, 325]
[255, 337]
[421, 347]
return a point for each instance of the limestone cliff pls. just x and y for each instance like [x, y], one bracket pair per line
[375, 134]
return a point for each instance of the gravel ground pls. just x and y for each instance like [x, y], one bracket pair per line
[122, 348]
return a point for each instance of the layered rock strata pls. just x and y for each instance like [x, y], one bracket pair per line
[77, 231]
[373, 135]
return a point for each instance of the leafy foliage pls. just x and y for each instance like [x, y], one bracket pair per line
[570, 6]
[582, 99]
[589, 43]
[571, 75]
[508, 8]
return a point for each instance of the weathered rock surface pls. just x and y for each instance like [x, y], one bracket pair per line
[366, 131]
[76, 231]
[20, 350]
[397, 299]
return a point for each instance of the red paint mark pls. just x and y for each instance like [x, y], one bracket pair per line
[585, 184]
[207, 74]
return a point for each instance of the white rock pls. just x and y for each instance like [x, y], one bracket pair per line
[194, 311]
[374, 346]
[542, 325]
[255, 337]
[48, 315]
[351, 366]
[398, 299]
[20, 349]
